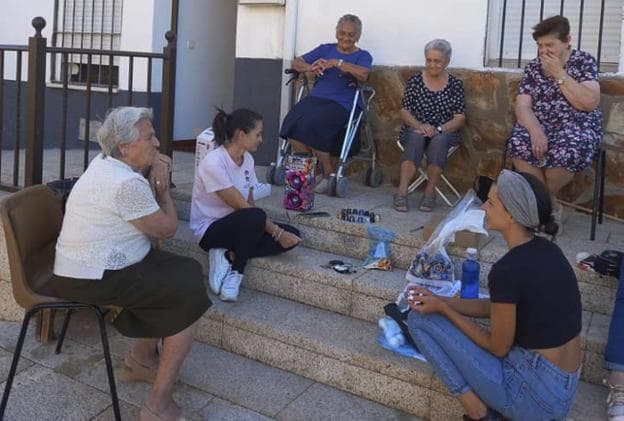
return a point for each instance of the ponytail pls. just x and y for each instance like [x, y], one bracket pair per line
[544, 205]
[225, 125]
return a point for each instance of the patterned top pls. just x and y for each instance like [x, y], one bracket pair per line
[572, 134]
[551, 108]
[97, 234]
[335, 84]
[433, 107]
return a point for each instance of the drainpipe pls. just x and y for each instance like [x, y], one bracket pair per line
[291, 14]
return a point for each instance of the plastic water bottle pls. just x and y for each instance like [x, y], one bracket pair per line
[392, 331]
[470, 275]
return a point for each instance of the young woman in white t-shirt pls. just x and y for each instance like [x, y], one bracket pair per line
[223, 214]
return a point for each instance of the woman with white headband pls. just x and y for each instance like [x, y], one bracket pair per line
[526, 366]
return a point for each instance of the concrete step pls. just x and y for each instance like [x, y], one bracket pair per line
[299, 276]
[341, 238]
[335, 236]
[213, 384]
[341, 351]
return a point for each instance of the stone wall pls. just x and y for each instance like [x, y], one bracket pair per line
[490, 101]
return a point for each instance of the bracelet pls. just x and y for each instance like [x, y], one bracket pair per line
[279, 235]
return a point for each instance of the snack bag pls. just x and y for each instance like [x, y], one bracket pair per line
[432, 266]
[379, 251]
[299, 186]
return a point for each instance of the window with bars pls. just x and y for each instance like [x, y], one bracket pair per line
[595, 27]
[87, 24]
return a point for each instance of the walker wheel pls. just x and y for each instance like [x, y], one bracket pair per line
[373, 177]
[280, 176]
[270, 174]
[331, 191]
[342, 187]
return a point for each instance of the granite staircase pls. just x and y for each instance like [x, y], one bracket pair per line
[296, 315]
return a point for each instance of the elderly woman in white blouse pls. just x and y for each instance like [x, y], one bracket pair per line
[104, 255]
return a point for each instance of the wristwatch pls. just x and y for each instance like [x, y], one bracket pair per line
[560, 81]
[439, 129]
[340, 61]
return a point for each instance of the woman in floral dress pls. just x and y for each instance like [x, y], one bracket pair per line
[558, 121]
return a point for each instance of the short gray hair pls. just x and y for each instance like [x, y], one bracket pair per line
[441, 45]
[348, 18]
[120, 128]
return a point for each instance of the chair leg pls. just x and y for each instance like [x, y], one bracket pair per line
[61, 339]
[597, 194]
[603, 164]
[109, 363]
[451, 186]
[16, 357]
[416, 183]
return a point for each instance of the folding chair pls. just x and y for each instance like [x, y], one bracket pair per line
[32, 221]
[423, 177]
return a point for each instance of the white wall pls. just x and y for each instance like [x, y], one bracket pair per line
[137, 28]
[260, 31]
[395, 32]
[205, 65]
[16, 28]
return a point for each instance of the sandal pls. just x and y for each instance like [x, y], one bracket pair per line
[147, 413]
[399, 203]
[427, 203]
[134, 371]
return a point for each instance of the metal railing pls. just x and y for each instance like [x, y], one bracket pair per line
[592, 23]
[35, 109]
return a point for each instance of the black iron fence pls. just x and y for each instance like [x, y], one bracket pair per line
[595, 28]
[24, 118]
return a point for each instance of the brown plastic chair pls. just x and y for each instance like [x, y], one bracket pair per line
[32, 221]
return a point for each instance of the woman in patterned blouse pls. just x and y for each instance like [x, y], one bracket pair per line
[433, 113]
[559, 123]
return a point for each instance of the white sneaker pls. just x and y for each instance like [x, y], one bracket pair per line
[615, 402]
[231, 286]
[218, 268]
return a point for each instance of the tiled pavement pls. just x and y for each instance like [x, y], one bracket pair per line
[213, 385]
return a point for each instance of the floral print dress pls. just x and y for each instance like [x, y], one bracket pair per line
[572, 134]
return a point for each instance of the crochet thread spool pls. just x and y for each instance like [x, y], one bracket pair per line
[360, 216]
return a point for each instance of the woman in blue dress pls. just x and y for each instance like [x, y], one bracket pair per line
[315, 123]
[559, 123]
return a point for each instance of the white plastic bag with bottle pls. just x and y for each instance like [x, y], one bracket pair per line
[432, 267]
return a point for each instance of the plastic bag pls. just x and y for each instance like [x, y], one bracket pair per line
[379, 251]
[432, 266]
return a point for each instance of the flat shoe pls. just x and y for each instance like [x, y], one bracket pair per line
[134, 371]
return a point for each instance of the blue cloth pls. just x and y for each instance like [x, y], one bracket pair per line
[614, 351]
[334, 84]
[317, 122]
[521, 386]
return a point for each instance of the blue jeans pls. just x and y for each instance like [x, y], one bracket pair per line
[614, 351]
[521, 386]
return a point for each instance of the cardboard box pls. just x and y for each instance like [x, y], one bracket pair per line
[463, 239]
[205, 143]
